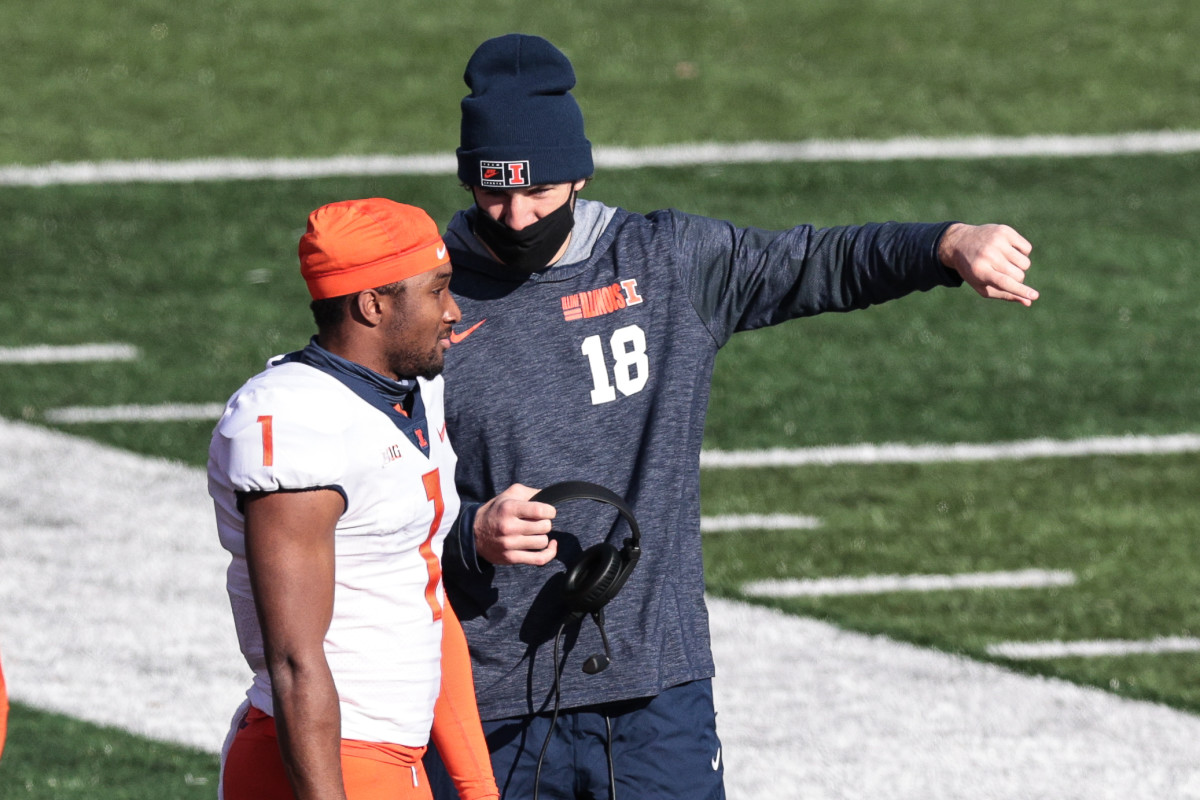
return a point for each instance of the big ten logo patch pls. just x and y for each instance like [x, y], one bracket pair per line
[391, 454]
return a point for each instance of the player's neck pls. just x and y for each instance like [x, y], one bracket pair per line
[353, 348]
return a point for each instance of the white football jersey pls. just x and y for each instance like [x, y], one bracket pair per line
[295, 427]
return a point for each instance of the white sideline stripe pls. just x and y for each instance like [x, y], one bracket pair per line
[1095, 647]
[740, 459]
[901, 148]
[170, 412]
[883, 584]
[66, 354]
[757, 522]
[937, 453]
[222, 169]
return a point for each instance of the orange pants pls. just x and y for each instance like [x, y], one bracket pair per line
[253, 768]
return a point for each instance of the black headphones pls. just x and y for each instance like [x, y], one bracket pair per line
[600, 573]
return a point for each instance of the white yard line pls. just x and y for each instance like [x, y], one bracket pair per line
[744, 459]
[883, 584]
[757, 522]
[903, 148]
[1094, 648]
[167, 412]
[68, 354]
[114, 610]
[938, 453]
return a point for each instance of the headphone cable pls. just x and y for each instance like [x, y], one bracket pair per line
[537, 775]
[612, 778]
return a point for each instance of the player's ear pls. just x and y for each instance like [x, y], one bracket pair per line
[369, 307]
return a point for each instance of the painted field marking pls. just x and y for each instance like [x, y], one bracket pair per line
[1094, 648]
[897, 149]
[884, 584]
[940, 453]
[169, 412]
[68, 354]
[757, 522]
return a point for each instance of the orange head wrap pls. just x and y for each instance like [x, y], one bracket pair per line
[356, 245]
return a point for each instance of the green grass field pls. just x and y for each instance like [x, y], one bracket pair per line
[155, 79]
[55, 756]
[202, 277]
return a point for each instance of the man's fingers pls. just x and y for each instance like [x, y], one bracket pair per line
[536, 557]
[1019, 260]
[544, 556]
[1004, 250]
[517, 528]
[1015, 285]
[999, 269]
[1018, 241]
[1003, 270]
[1024, 295]
[514, 504]
[509, 529]
[532, 511]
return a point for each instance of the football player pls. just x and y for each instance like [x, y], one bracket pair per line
[333, 482]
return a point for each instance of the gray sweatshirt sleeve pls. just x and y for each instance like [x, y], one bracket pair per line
[747, 278]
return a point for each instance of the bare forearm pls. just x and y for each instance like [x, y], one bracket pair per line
[309, 725]
[289, 549]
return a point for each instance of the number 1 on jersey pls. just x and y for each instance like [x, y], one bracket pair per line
[268, 441]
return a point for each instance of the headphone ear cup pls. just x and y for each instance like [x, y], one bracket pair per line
[590, 581]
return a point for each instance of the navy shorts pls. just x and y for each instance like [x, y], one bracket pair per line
[663, 748]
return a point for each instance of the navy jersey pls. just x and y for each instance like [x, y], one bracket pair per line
[599, 369]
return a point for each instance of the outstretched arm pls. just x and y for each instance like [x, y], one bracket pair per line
[992, 259]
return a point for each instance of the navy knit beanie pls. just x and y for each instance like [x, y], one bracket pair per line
[520, 124]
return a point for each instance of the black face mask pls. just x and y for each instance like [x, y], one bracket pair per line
[532, 247]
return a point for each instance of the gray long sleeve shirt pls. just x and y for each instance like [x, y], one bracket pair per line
[599, 369]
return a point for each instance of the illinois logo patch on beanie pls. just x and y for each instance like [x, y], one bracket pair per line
[504, 174]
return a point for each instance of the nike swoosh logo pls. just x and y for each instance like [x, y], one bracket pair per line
[456, 337]
[441, 252]
[716, 762]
